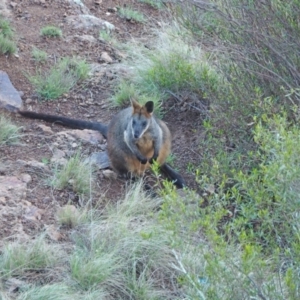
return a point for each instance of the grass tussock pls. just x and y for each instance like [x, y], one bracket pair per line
[51, 31]
[39, 55]
[171, 67]
[130, 14]
[59, 79]
[9, 133]
[75, 173]
[120, 252]
[18, 259]
[158, 4]
[7, 45]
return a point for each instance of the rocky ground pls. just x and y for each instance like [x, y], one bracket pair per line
[27, 204]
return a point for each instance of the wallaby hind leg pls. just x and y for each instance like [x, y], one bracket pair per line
[173, 175]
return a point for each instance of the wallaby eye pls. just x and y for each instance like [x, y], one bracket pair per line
[144, 124]
[133, 122]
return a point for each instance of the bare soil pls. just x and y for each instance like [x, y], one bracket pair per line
[86, 101]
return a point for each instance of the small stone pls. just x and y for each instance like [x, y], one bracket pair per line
[46, 129]
[47, 200]
[100, 159]
[112, 9]
[13, 4]
[28, 101]
[106, 58]
[2, 201]
[25, 178]
[74, 145]
[53, 233]
[109, 174]
[33, 164]
[33, 213]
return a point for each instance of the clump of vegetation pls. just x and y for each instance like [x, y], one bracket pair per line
[243, 229]
[9, 132]
[172, 67]
[105, 35]
[121, 252]
[158, 4]
[131, 14]
[17, 258]
[76, 173]
[7, 45]
[60, 79]
[39, 55]
[51, 31]
[70, 217]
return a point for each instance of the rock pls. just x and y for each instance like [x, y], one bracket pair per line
[25, 177]
[86, 38]
[109, 174]
[87, 22]
[33, 163]
[91, 136]
[2, 201]
[105, 58]
[13, 285]
[28, 101]
[12, 188]
[79, 3]
[4, 12]
[57, 153]
[53, 233]
[112, 9]
[46, 129]
[9, 96]
[58, 157]
[100, 159]
[47, 200]
[33, 213]
[13, 4]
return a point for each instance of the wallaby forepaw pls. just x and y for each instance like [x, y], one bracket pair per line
[152, 160]
[143, 160]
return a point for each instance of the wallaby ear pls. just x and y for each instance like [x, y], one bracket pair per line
[135, 104]
[149, 106]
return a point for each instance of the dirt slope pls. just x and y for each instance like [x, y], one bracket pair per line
[39, 202]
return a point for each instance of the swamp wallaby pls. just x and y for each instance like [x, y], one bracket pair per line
[135, 137]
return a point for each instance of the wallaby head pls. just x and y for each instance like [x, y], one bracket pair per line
[141, 118]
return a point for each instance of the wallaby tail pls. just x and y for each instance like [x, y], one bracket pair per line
[173, 175]
[68, 122]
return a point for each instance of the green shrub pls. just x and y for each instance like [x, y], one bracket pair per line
[19, 258]
[130, 14]
[7, 46]
[51, 31]
[5, 29]
[158, 4]
[9, 132]
[39, 55]
[172, 67]
[76, 173]
[60, 79]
